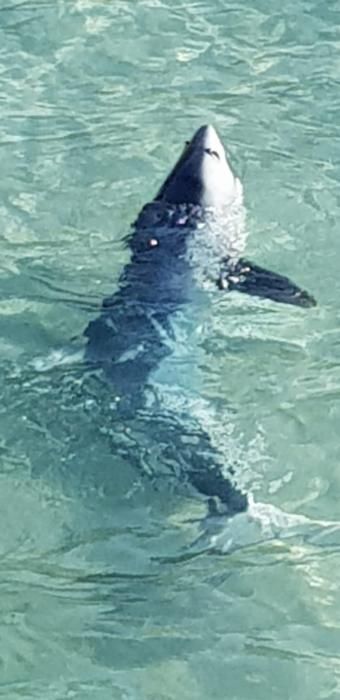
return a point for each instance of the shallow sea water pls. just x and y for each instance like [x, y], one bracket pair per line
[102, 595]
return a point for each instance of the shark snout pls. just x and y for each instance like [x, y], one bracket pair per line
[207, 140]
[202, 174]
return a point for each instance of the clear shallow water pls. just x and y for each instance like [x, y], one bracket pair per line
[97, 598]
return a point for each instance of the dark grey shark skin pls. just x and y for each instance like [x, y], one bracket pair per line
[134, 331]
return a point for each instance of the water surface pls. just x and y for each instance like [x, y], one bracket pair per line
[98, 599]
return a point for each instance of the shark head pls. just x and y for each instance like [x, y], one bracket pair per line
[202, 176]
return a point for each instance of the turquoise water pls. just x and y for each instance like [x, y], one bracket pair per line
[101, 594]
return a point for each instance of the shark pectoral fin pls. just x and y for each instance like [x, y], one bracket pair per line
[245, 277]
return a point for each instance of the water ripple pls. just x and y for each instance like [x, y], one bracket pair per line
[103, 590]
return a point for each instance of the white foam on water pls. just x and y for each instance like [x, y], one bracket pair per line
[263, 522]
[57, 358]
